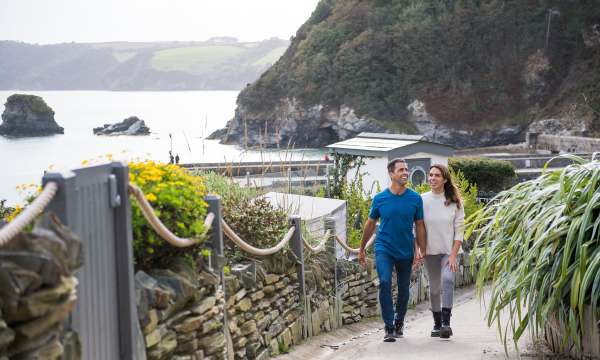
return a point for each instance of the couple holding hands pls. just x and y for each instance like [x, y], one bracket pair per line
[438, 219]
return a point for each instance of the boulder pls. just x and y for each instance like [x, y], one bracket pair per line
[28, 115]
[130, 126]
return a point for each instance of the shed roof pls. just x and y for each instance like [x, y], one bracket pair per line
[307, 207]
[371, 144]
[375, 144]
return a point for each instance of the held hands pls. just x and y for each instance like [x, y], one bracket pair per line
[419, 258]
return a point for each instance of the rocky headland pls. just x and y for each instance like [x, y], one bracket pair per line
[130, 126]
[460, 73]
[28, 115]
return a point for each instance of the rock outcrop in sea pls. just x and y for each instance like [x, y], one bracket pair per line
[28, 115]
[130, 126]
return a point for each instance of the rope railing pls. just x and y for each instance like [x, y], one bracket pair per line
[9, 231]
[254, 250]
[321, 245]
[158, 225]
[354, 251]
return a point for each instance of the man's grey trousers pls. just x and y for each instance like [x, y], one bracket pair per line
[441, 281]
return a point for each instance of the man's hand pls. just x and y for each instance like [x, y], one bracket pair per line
[362, 258]
[452, 263]
[367, 233]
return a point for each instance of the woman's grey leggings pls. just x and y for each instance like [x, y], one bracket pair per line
[441, 280]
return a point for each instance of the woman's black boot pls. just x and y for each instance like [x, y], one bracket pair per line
[446, 330]
[437, 323]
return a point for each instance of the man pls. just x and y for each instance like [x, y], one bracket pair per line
[398, 209]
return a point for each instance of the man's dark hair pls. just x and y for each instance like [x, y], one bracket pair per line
[392, 164]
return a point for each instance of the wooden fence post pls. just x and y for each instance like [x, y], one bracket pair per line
[331, 251]
[297, 247]
[218, 261]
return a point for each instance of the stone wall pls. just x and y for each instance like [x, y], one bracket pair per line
[181, 313]
[358, 291]
[37, 294]
[571, 144]
[264, 309]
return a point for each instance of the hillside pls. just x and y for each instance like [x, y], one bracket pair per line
[464, 72]
[217, 64]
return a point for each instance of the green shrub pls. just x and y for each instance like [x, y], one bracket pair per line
[468, 192]
[254, 220]
[358, 204]
[178, 200]
[225, 187]
[540, 244]
[489, 175]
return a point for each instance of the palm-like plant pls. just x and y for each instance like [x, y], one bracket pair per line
[539, 245]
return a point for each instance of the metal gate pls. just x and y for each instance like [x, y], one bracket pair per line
[93, 202]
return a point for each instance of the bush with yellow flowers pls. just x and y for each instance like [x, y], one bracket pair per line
[178, 200]
[6, 211]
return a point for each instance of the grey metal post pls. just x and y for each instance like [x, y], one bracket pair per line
[331, 251]
[64, 202]
[128, 319]
[86, 202]
[298, 250]
[217, 260]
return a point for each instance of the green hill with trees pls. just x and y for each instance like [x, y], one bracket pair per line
[467, 72]
[217, 64]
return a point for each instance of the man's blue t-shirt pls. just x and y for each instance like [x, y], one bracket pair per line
[397, 214]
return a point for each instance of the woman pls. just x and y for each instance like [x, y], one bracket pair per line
[444, 221]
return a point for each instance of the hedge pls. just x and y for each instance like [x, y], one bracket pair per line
[490, 176]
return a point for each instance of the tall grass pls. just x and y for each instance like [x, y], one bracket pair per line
[539, 244]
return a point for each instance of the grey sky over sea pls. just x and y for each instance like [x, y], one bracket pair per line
[58, 21]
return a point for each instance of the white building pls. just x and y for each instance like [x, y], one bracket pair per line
[378, 149]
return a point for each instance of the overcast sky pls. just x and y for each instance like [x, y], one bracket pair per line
[56, 21]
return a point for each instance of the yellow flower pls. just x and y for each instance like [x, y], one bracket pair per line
[150, 197]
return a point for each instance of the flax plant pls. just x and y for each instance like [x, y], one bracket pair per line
[539, 245]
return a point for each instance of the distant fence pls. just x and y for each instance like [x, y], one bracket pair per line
[241, 169]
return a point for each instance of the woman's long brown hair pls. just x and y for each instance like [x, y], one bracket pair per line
[451, 192]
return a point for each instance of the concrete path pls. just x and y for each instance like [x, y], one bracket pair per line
[472, 339]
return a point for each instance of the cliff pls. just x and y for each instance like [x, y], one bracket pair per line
[28, 115]
[467, 73]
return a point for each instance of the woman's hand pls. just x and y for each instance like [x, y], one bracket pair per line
[452, 263]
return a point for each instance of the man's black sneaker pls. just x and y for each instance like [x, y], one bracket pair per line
[389, 335]
[398, 329]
